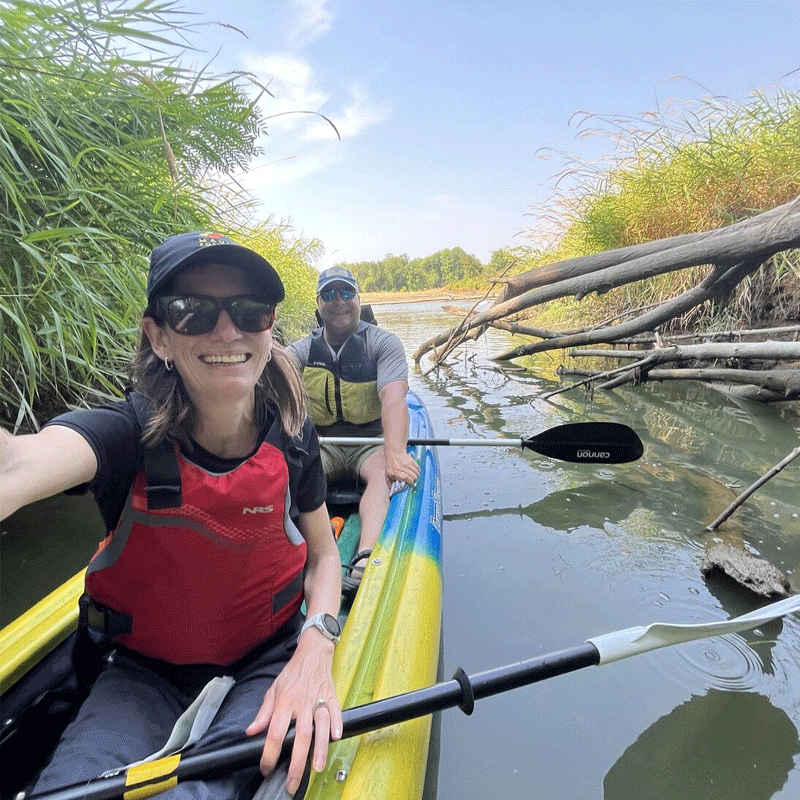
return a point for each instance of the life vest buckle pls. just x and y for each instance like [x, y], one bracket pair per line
[102, 623]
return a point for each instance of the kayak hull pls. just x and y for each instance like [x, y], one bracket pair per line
[391, 642]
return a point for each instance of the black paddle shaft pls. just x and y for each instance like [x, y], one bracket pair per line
[462, 691]
[587, 442]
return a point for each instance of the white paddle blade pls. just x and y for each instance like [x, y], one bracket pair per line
[632, 641]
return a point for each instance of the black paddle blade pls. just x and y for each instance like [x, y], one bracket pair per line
[588, 442]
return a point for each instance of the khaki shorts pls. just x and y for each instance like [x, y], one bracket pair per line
[340, 461]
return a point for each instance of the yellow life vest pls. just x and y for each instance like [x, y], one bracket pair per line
[342, 387]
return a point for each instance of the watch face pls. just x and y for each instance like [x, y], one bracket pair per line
[331, 624]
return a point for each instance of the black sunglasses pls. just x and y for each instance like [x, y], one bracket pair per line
[196, 314]
[345, 294]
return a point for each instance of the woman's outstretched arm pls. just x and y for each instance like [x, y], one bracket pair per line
[38, 465]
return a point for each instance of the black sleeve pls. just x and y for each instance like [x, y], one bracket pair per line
[312, 487]
[113, 432]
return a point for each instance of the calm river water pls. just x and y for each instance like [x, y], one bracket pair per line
[541, 555]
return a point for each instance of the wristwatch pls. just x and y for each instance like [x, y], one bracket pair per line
[327, 624]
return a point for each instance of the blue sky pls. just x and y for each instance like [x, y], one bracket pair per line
[455, 116]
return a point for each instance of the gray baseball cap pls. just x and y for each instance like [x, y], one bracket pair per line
[336, 275]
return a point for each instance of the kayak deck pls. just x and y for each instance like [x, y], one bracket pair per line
[391, 639]
[391, 643]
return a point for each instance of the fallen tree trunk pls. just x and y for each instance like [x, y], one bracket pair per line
[642, 339]
[783, 384]
[742, 245]
[584, 265]
[707, 351]
[720, 282]
[773, 384]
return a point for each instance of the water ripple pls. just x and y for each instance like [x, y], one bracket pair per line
[726, 662]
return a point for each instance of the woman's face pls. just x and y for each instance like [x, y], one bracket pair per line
[225, 364]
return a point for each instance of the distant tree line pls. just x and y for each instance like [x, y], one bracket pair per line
[453, 267]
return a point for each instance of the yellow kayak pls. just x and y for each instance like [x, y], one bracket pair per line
[391, 643]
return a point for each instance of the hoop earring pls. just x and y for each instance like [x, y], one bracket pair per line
[269, 356]
[168, 364]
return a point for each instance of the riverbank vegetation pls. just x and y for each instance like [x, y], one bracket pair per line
[694, 228]
[110, 145]
[687, 168]
[451, 269]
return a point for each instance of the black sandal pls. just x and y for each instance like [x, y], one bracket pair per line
[350, 584]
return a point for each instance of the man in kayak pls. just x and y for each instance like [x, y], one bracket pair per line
[356, 378]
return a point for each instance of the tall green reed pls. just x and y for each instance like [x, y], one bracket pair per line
[107, 146]
[689, 167]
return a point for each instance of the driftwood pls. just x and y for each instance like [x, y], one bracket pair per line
[644, 339]
[776, 351]
[782, 384]
[734, 252]
[776, 384]
[756, 574]
[747, 492]
[727, 335]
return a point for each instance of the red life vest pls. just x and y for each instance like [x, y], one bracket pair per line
[208, 580]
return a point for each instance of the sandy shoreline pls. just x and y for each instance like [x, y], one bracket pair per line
[432, 295]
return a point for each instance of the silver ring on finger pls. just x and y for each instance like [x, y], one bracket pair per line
[321, 703]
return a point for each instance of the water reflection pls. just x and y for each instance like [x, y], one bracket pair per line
[540, 555]
[600, 503]
[709, 746]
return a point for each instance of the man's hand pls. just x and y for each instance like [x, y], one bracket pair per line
[400, 466]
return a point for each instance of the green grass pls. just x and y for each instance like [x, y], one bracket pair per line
[687, 168]
[107, 147]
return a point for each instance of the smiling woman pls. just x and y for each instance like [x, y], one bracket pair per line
[215, 357]
[209, 480]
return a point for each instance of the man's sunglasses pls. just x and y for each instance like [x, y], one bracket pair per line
[196, 314]
[345, 294]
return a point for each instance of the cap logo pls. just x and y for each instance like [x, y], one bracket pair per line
[211, 238]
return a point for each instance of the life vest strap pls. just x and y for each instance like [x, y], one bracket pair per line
[163, 488]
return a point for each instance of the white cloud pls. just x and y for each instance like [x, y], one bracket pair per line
[299, 141]
[294, 85]
[290, 169]
[314, 20]
[290, 80]
[360, 114]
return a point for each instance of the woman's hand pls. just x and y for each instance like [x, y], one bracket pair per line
[295, 695]
[306, 680]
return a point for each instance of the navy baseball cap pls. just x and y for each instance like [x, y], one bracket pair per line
[194, 249]
[336, 275]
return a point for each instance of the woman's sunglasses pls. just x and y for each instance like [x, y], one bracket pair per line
[194, 315]
[345, 294]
